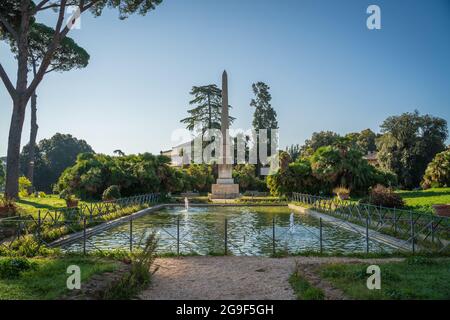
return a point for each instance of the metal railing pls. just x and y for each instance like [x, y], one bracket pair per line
[48, 225]
[231, 237]
[430, 231]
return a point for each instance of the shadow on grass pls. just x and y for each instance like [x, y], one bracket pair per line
[38, 205]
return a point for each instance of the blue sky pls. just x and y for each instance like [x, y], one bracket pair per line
[326, 70]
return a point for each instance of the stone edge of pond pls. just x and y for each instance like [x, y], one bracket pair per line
[72, 237]
[373, 235]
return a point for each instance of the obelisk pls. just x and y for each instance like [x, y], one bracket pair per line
[225, 188]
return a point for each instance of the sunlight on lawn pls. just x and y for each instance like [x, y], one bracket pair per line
[423, 200]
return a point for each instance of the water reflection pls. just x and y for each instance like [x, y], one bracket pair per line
[250, 232]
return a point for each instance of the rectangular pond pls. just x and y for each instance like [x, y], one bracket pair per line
[249, 231]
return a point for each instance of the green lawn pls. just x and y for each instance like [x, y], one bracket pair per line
[303, 289]
[31, 205]
[423, 200]
[415, 278]
[48, 279]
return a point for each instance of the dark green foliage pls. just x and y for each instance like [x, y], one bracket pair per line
[364, 140]
[385, 197]
[264, 117]
[245, 176]
[198, 177]
[134, 174]
[409, 143]
[319, 139]
[52, 157]
[111, 193]
[208, 108]
[11, 268]
[296, 177]
[437, 173]
[340, 165]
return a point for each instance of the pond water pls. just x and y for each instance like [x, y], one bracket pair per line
[249, 232]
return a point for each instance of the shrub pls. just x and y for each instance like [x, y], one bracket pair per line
[24, 186]
[65, 194]
[437, 173]
[385, 197]
[8, 207]
[42, 194]
[134, 174]
[111, 193]
[11, 268]
[140, 273]
[342, 192]
[28, 247]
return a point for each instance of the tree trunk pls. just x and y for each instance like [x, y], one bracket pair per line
[33, 135]
[12, 161]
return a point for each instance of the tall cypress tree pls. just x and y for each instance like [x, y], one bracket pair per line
[264, 117]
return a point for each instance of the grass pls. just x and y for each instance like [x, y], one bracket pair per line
[48, 279]
[414, 278]
[422, 200]
[303, 289]
[31, 205]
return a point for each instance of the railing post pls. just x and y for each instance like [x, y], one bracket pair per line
[413, 240]
[39, 226]
[395, 221]
[178, 236]
[432, 229]
[84, 235]
[131, 234]
[273, 236]
[367, 235]
[320, 236]
[226, 236]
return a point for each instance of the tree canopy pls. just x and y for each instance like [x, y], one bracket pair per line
[207, 111]
[409, 142]
[53, 156]
[437, 173]
[264, 116]
[319, 139]
[16, 21]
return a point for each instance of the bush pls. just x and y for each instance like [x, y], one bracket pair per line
[140, 274]
[245, 176]
[342, 192]
[24, 186]
[134, 174]
[28, 247]
[11, 268]
[111, 193]
[42, 194]
[437, 173]
[385, 197]
[8, 207]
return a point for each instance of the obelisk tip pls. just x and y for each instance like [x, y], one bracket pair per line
[224, 73]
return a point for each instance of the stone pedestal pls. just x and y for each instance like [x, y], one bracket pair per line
[224, 191]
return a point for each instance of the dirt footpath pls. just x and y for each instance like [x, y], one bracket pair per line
[241, 278]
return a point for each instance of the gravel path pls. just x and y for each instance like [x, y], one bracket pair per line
[241, 278]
